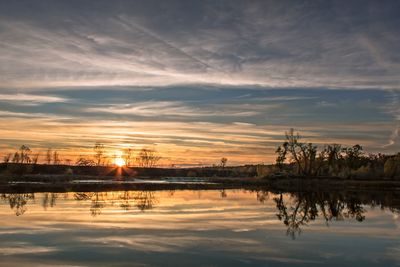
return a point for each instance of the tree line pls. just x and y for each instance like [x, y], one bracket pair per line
[304, 159]
[145, 157]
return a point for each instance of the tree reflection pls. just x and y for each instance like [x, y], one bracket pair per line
[142, 200]
[97, 201]
[97, 204]
[298, 209]
[145, 200]
[223, 193]
[262, 196]
[18, 202]
[126, 199]
[295, 210]
[49, 200]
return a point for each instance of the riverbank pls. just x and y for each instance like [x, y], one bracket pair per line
[65, 183]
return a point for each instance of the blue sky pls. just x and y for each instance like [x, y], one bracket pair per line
[199, 79]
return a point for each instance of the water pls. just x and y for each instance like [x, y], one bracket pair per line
[200, 228]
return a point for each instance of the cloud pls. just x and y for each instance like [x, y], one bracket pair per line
[199, 79]
[394, 137]
[393, 108]
[200, 125]
[250, 43]
[22, 248]
[168, 108]
[28, 99]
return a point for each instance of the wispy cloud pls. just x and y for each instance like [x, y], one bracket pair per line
[168, 108]
[228, 44]
[199, 80]
[28, 99]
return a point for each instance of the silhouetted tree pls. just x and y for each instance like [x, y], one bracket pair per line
[128, 156]
[392, 166]
[56, 158]
[49, 155]
[333, 157]
[84, 162]
[304, 155]
[353, 156]
[16, 158]
[223, 162]
[24, 154]
[35, 158]
[7, 158]
[148, 158]
[99, 152]
[280, 160]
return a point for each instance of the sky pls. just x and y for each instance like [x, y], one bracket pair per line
[198, 80]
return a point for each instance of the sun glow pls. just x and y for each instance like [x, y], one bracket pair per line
[119, 162]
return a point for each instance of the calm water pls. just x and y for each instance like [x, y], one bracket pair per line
[199, 228]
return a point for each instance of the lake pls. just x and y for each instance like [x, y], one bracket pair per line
[200, 228]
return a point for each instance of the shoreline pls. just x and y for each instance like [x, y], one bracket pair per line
[55, 183]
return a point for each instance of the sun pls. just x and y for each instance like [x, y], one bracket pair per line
[119, 162]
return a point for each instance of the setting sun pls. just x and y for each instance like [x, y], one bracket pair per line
[119, 162]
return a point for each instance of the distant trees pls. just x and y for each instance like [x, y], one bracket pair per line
[223, 162]
[24, 154]
[56, 158]
[333, 156]
[99, 152]
[332, 160]
[127, 156]
[147, 158]
[48, 156]
[20, 156]
[7, 158]
[82, 161]
[16, 158]
[35, 158]
[52, 157]
[392, 166]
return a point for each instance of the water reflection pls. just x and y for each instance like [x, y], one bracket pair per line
[294, 210]
[18, 202]
[231, 227]
[49, 200]
[306, 207]
[142, 200]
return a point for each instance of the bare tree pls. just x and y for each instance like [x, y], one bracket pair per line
[99, 152]
[303, 154]
[48, 156]
[16, 158]
[84, 162]
[148, 158]
[128, 156]
[35, 158]
[7, 158]
[56, 158]
[223, 162]
[24, 154]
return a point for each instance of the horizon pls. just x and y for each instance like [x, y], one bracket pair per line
[197, 80]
